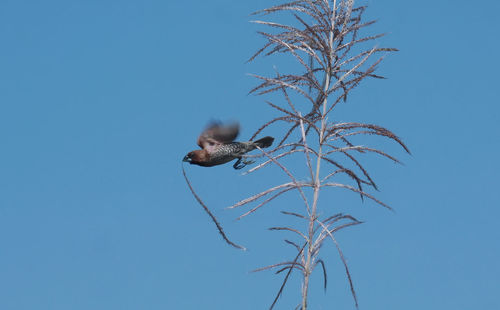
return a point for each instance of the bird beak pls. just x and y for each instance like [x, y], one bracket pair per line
[187, 159]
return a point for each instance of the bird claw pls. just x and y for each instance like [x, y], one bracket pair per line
[240, 164]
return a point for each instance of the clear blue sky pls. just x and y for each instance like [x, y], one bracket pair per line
[100, 100]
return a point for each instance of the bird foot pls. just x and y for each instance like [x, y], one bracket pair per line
[240, 164]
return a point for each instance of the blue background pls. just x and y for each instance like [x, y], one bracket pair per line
[100, 100]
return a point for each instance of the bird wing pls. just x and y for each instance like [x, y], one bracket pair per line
[216, 134]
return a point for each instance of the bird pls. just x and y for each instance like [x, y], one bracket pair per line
[218, 146]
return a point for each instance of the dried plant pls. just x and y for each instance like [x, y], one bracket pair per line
[324, 39]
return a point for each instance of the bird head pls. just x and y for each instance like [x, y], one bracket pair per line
[198, 157]
[189, 157]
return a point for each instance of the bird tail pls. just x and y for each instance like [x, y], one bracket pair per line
[264, 142]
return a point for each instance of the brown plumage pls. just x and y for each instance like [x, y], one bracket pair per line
[218, 146]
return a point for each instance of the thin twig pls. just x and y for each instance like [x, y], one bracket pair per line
[214, 219]
[341, 254]
[286, 278]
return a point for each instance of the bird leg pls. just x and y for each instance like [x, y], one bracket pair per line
[241, 163]
[238, 164]
[247, 161]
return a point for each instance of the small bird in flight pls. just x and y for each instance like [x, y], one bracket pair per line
[218, 147]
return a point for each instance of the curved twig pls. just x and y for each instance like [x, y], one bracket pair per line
[214, 219]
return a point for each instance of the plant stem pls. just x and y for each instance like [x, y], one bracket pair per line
[317, 184]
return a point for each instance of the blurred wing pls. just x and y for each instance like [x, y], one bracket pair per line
[218, 134]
